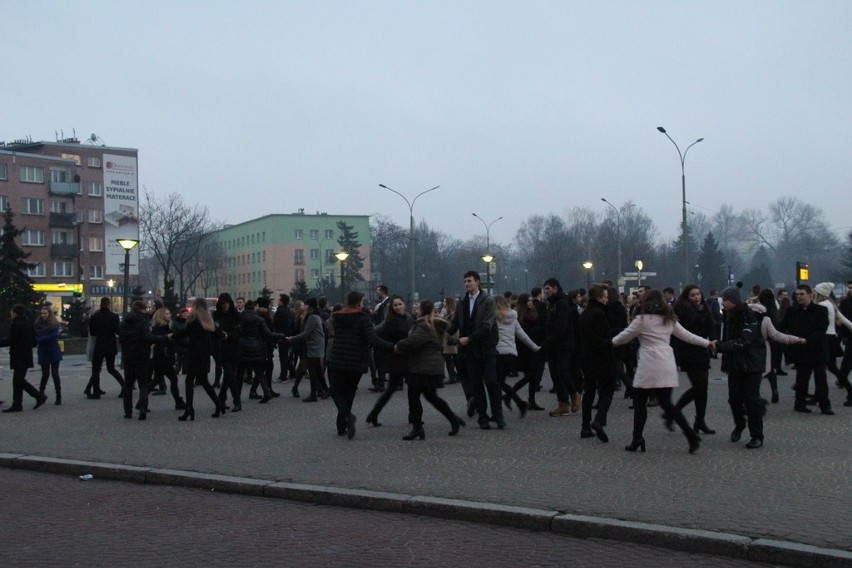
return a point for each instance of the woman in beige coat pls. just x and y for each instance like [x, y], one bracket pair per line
[656, 372]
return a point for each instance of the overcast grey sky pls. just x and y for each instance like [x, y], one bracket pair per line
[513, 108]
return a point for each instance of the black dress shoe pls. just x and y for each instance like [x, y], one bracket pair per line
[804, 409]
[737, 434]
[13, 408]
[40, 400]
[483, 424]
[754, 443]
[587, 433]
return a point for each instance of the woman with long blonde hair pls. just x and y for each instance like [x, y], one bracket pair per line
[49, 353]
[199, 329]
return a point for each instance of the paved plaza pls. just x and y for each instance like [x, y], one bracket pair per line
[796, 488]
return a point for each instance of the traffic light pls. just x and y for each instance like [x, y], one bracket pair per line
[802, 272]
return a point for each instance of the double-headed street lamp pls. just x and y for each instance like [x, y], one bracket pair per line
[683, 187]
[487, 254]
[342, 256]
[127, 245]
[618, 212]
[410, 233]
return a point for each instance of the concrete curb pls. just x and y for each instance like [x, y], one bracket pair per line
[578, 526]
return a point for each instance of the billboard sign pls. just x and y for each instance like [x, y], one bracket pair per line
[121, 211]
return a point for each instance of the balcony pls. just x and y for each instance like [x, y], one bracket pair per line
[62, 220]
[64, 188]
[64, 251]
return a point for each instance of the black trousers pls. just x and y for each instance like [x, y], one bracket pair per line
[230, 382]
[51, 369]
[697, 392]
[664, 397]
[505, 364]
[194, 376]
[395, 383]
[425, 386]
[344, 385]
[803, 379]
[559, 361]
[135, 373]
[98, 359]
[604, 385]
[21, 385]
[744, 399]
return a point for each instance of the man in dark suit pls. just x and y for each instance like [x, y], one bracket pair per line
[476, 321]
[379, 362]
[20, 342]
[103, 327]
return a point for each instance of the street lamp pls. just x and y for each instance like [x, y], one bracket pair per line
[588, 266]
[639, 266]
[683, 188]
[410, 233]
[618, 231]
[127, 245]
[487, 249]
[342, 256]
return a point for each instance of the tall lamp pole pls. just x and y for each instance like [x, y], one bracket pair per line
[410, 234]
[618, 231]
[127, 245]
[683, 188]
[342, 256]
[487, 249]
[588, 266]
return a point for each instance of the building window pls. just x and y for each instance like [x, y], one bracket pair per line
[63, 269]
[264, 256]
[93, 162]
[329, 256]
[58, 175]
[329, 233]
[36, 271]
[32, 206]
[60, 237]
[96, 216]
[96, 189]
[329, 274]
[96, 273]
[314, 233]
[57, 206]
[315, 254]
[300, 275]
[33, 238]
[299, 259]
[4, 202]
[96, 244]
[4, 172]
[32, 174]
[314, 273]
[299, 235]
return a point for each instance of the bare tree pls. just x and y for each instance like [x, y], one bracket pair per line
[176, 233]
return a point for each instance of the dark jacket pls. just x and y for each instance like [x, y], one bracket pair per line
[559, 326]
[422, 348]
[164, 353]
[393, 330]
[136, 338]
[199, 349]
[254, 335]
[598, 358]
[20, 342]
[103, 326]
[616, 315]
[47, 339]
[283, 321]
[742, 346]
[480, 327]
[810, 322]
[228, 334]
[353, 334]
[699, 322]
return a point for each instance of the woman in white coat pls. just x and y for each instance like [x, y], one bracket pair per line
[656, 372]
[509, 329]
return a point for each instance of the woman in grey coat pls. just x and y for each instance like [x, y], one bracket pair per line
[313, 335]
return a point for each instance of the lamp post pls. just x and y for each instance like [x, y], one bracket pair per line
[526, 280]
[410, 233]
[342, 256]
[588, 266]
[618, 230]
[487, 248]
[639, 267]
[685, 227]
[127, 245]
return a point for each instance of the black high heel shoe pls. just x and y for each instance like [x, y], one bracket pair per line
[456, 424]
[373, 419]
[694, 444]
[600, 432]
[701, 428]
[638, 443]
[668, 422]
[189, 413]
[220, 411]
[417, 431]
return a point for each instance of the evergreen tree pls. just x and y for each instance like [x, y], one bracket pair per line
[711, 265]
[73, 314]
[348, 241]
[16, 287]
[299, 291]
[760, 272]
[266, 293]
[676, 258]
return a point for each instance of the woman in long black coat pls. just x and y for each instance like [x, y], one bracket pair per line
[20, 341]
[199, 330]
[396, 326]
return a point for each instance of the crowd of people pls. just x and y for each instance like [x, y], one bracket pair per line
[593, 342]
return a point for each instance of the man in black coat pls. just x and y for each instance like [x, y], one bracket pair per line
[103, 327]
[476, 321]
[20, 342]
[598, 362]
[136, 340]
[559, 346]
[846, 363]
[808, 320]
[284, 322]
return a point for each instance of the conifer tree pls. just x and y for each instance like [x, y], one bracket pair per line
[16, 286]
[348, 241]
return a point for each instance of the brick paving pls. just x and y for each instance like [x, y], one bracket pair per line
[51, 520]
[796, 488]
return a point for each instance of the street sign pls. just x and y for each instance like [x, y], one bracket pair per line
[636, 274]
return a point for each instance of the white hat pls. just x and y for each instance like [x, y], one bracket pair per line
[824, 289]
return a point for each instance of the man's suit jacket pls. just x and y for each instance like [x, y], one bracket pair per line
[484, 333]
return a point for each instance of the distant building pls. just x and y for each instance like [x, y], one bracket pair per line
[74, 200]
[280, 250]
